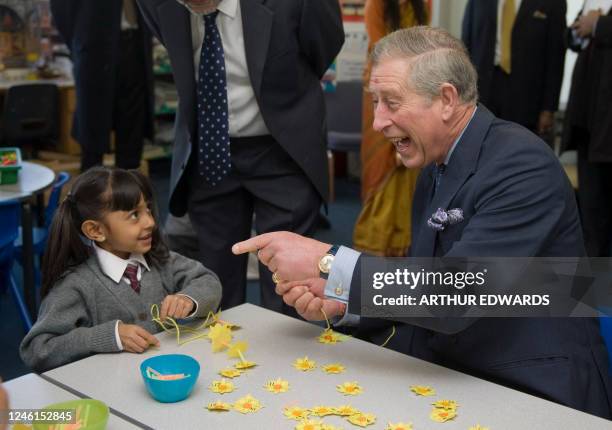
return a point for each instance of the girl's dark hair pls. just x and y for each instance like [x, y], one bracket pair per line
[96, 192]
[392, 13]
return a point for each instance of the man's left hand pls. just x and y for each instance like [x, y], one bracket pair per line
[585, 24]
[545, 122]
[308, 299]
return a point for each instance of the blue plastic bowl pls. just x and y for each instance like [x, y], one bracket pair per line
[170, 364]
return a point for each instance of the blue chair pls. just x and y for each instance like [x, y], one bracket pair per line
[9, 220]
[39, 234]
[605, 323]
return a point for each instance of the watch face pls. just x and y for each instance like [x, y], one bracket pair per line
[325, 263]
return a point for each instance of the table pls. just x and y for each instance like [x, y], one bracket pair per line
[275, 342]
[34, 179]
[33, 392]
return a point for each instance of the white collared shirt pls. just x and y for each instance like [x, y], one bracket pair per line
[500, 8]
[245, 118]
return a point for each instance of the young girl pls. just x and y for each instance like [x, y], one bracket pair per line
[104, 266]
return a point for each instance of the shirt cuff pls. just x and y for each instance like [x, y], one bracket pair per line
[195, 308]
[117, 337]
[338, 286]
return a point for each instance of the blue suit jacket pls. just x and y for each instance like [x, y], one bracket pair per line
[517, 202]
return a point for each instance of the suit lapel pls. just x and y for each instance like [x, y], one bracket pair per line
[257, 27]
[175, 26]
[460, 167]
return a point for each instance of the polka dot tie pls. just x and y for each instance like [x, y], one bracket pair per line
[214, 160]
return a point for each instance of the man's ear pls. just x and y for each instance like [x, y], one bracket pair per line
[93, 230]
[449, 97]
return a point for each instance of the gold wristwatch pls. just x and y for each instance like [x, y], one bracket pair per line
[325, 262]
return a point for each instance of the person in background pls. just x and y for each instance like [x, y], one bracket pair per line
[383, 226]
[250, 128]
[105, 266]
[111, 51]
[588, 125]
[518, 49]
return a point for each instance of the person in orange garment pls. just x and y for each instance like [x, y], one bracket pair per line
[383, 228]
[4, 404]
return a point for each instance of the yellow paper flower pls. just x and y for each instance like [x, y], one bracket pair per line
[334, 368]
[230, 373]
[478, 427]
[422, 390]
[350, 388]
[309, 425]
[362, 420]
[277, 386]
[322, 411]
[237, 350]
[442, 415]
[223, 386]
[219, 406]
[304, 364]
[296, 413]
[399, 426]
[330, 337]
[245, 365]
[247, 404]
[346, 410]
[221, 337]
[449, 405]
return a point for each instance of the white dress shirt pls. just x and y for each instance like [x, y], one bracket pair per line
[500, 8]
[245, 118]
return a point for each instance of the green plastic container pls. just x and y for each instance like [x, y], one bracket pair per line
[10, 163]
[91, 415]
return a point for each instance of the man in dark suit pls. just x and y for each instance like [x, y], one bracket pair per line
[113, 72]
[588, 126]
[516, 202]
[250, 129]
[518, 49]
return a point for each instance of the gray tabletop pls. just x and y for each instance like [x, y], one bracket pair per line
[275, 342]
[33, 178]
[33, 392]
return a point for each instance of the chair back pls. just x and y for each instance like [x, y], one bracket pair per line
[56, 192]
[9, 223]
[31, 112]
[343, 112]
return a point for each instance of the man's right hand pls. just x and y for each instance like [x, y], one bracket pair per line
[308, 299]
[135, 338]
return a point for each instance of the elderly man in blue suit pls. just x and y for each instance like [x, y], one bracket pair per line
[516, 202]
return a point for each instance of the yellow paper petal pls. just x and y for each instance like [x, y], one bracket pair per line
[478, 427]
[247, 404]
[346, 410]
[309, 425]
[219, 406]
[399, 426]
[330, 337]
[322, 411]
[422, 390]
[237, 348]
[362, 420]
[449, 405]
[304, 364]
[277, 386]
[442, 415]
[334, 368]
[230, 373]
[245, 365]
[221, 337]
[222, 386]
[216, 318]
[296, 413]
[350, 388]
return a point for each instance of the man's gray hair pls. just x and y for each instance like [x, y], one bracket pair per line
[435, 58]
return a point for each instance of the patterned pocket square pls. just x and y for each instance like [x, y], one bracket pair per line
[440, 219]
[538, 14]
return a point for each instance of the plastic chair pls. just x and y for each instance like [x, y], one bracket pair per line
[605, 323]
[40, 234]
[31, 114]
[343, 108]
[9, 220]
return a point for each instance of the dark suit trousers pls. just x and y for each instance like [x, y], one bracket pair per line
[266, 182]
[594, 191]
[129, 110]
[501, 97]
